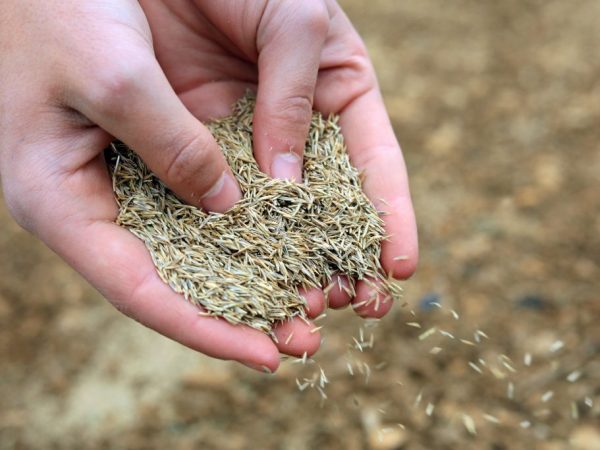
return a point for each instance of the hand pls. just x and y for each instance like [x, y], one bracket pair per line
[76, 74]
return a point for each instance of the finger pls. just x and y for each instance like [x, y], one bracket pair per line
[315, 301]
[339, 292]
[370, 300]
[289, 45]
[133, 101]
[374, 150]
[296, 337]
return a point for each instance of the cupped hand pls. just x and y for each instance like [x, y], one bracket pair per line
[75, 75]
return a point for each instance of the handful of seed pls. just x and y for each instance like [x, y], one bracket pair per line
[246, 265]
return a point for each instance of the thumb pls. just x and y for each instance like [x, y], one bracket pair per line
[133, 101]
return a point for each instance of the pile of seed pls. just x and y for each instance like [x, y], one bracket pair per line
[246, 265]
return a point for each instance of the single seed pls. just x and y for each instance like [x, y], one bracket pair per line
[427, 333]
[475, 367]
[469, 424]
[547, 396]
[510, 391]
[418, 399]
[574, 411]
[556, 346]
[490, 418]
[574, 376]
[289, 338]
[429, 409]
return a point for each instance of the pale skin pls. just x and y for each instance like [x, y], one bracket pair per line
[75, 75]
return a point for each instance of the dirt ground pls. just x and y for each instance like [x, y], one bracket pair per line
[497, 105]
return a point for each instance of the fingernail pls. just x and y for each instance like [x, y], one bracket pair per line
[223, 195]
[287, 166]
[258, 367]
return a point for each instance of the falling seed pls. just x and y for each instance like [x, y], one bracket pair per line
[381, 365]
[320, 317]
[574, 376]
[322, 393]
[435, 350]
[509, 367]
[357, 344]
[289, 338]
[547, 396]
[556, 346]
[574, 411]
[482, 334]
[427, 333]
[467, 342]
[350, 371]
[429, 409]
[491, 418]
[510, 391]
[527, 359]
[454, 314]
[469, 424]
[418, 399]
[525, 424]
[414, 324]
[446, 334]
[475, 367]
[301, 386]
[589, 402]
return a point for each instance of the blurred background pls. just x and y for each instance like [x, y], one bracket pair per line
[497, 106]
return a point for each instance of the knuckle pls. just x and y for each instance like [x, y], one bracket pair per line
[360, 70]
[314, 17]
[188, 164]
[109, 86]
[294, 112]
